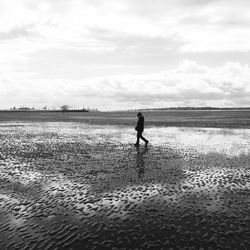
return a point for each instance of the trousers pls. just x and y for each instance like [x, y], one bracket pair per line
[139, 136]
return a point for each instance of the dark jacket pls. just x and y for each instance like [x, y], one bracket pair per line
[140, 124]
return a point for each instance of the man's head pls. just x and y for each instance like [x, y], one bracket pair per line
[139, 114]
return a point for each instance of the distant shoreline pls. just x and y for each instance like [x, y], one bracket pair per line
[133, 110]
[46, 111]
[193, 108]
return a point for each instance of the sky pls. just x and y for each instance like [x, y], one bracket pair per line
[124, 54]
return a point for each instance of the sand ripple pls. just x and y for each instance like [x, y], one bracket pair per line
[77, 186]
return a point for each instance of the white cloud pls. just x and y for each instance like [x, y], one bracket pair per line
[51, 51]
[188, 84]
[194, 27]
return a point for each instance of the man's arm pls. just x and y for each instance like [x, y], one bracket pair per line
[140, 124]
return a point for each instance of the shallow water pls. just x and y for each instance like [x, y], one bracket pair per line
[69, 185]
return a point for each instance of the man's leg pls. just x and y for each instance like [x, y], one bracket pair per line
[144, 139]
[138, 138]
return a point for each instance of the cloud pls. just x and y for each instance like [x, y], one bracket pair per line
[188, 84]
[119, 32]
[135, 41]
[194, 25]
[105, 52]
[17, 32]
[216, 27]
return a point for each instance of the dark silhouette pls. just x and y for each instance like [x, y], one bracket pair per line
[139, 128]
[140, 161]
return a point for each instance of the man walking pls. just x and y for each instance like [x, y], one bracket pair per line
[139, 128]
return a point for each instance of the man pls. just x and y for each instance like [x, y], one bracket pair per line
[139, 128]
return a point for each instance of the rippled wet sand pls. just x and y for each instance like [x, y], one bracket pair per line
[79, 186]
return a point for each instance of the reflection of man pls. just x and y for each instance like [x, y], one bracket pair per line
[140, 161]
[139, 128]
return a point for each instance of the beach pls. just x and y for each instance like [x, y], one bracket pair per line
[79, 184]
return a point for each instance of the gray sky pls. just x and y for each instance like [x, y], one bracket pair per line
[124, 54]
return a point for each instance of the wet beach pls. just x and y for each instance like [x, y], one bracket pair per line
[77, 185]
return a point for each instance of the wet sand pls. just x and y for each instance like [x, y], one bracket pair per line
[78, 186]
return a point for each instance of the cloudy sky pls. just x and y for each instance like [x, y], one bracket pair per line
[124, 54]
